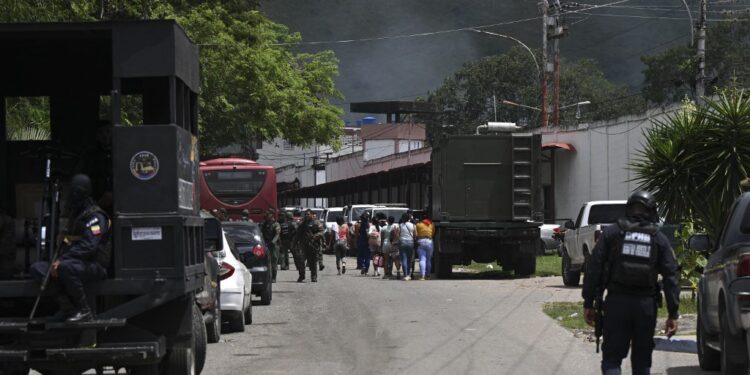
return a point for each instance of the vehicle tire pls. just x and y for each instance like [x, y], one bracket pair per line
[181, 361]
[708, 358]
[733, 350]
[570, 278]
[213, 330]
[249, 314]
[236, 321]
[525, 264]
[267, 294]
[200, 343]
[443, 267]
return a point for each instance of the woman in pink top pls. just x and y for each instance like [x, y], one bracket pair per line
[341, 246]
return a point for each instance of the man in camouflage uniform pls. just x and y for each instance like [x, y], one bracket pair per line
[271, 231]
[320, 241]
[308, 241]
[288, 229]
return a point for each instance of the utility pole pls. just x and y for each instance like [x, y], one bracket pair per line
[700, 84]
[543, 7]
[557, 34]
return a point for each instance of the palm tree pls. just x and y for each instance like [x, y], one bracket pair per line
[693, 161]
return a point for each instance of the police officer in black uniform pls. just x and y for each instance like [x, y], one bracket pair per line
[81, 256]
[626, 262]
[287, 235]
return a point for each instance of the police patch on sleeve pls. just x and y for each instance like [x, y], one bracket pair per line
[94, 227]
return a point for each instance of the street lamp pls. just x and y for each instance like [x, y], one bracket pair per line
[533, 56]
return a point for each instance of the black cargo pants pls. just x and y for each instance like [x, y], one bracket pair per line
[628, 319]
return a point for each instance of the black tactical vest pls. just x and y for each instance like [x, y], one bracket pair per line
[267, 229]
[78, 226]
[633, 261]
[286, 230]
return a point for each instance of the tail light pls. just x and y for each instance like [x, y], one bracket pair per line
[556, 230]
[259, 251]
[597, 235]
[743, 266]
[226, 271]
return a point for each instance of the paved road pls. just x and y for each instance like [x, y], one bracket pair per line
[353, 324]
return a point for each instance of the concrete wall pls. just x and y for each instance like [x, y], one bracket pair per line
[599, 167]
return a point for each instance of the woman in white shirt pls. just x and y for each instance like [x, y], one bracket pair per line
[407, 234]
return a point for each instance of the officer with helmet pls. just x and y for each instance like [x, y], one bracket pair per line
[626, 262]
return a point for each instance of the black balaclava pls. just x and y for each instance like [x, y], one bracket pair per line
[79, 195]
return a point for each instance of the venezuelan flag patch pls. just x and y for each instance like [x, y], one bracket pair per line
[96, 230]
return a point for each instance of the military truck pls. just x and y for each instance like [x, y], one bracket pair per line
[486, 199]
[146, 318]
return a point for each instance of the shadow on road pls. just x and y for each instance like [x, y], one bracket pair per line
[687, 370]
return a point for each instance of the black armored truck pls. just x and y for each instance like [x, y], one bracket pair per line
[84, 79]
[486, 199]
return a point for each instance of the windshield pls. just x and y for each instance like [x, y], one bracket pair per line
[606, 213]
[237, 186]
[243, 234]
[333, 215]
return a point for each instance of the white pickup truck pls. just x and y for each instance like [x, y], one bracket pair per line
[581, 236]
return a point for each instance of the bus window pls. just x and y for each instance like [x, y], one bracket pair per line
[235, 186]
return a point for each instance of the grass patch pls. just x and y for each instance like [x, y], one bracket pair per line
[546, 265]
[570, 314]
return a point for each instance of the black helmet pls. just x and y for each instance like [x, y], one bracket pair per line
[79, 194]
[640, 200]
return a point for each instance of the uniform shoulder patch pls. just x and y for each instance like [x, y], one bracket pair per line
[95, 230]
[91, 222]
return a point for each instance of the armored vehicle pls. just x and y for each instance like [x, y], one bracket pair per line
[146, 317]
[486, 202]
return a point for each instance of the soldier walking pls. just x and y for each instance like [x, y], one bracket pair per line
[288, 230]
[307, 245]
[320, 241]
[271, 232]
[626, 262]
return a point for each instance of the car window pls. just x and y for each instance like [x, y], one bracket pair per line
[606, 213]
[333, 215]
[580, 216]
[243, 233]
[737, 218]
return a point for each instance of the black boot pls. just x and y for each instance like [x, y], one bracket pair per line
[66, 308]
[301, 279]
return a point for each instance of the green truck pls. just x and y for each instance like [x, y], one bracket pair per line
[486, 199]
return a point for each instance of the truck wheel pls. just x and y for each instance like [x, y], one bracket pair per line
[249, 314]
[733, 350]
[267, 294]
[570, 278]
[708, 358]
[443, 267]
[199, 339]
[213, 330]
[181, 361]
[525, 264]
[236, 321]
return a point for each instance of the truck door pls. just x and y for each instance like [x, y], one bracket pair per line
[481, 184]
[571, 239]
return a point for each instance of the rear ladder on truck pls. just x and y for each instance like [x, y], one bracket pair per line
[522, 176]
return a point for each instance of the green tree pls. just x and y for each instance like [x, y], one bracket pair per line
[671, 75]
[465, 98]
[253, 86]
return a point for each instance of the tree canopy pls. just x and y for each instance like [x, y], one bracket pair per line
[671, 75]
[254, 87]
[465, 99]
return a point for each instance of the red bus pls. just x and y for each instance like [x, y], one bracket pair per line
[237, 184]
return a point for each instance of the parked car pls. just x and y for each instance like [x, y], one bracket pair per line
[389, 211]
[253, 253]
[550, 240]
[581, 236]
[236, 289]
[295, 211]
[208, 298]
[724, 294]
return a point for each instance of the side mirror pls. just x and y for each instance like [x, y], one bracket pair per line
[212, 236]
[700, 242]
[570, 224]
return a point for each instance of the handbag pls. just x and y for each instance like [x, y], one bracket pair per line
[377, 260]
